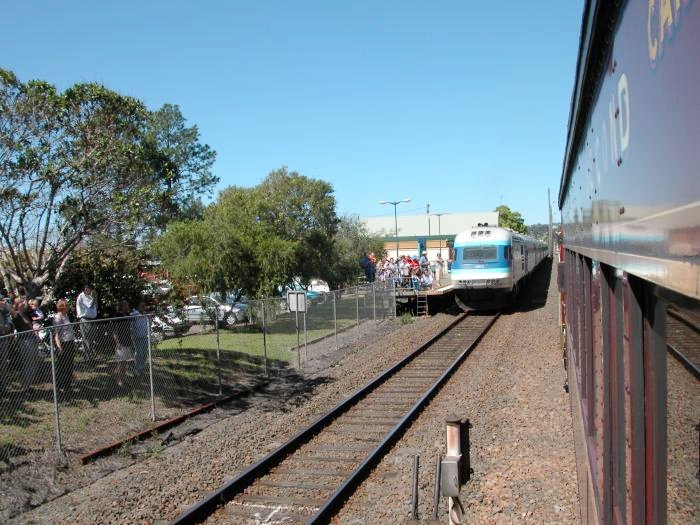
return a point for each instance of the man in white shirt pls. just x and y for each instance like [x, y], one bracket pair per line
[86, 310]
[86, 306]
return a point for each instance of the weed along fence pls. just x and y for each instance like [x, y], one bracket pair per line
[82, 386]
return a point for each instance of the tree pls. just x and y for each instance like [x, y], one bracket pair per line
[184, 164]
[114, 269]
[84, 161]
[352, 241]
[70, 164]
[510, 219]
[255, 239]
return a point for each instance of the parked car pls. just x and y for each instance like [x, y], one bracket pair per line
[168, 324]
[203, 309]
[238, 303]
[315, 291]
[319, 285]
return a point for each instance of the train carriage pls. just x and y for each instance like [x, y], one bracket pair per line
[630, 258]
[490, 263]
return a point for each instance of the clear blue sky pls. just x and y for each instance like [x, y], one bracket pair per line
[460, 104]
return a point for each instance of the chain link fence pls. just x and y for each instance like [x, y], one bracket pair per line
[80, 386]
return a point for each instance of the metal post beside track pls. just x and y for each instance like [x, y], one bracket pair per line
[335, 322]
[150, 373]
[264, 331]
[374, 302]
[296, 324]
[306, 341]
[55, 393]
[218, 350]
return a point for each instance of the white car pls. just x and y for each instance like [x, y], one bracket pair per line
[319, 285]
[202, 309]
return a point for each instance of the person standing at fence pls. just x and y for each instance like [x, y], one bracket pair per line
[372, 267]
[64, 338]
[6, 328]
[123, 342]
[140, 327]
[37, 316]
[423, 262]
[26, 341]
[439, 262]
[86, 311]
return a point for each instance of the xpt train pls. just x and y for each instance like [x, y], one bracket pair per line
[490, 263]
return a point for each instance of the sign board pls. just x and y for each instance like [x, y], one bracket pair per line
[296, 301]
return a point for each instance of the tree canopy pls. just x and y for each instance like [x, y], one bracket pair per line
[510, 219]
[255, 239]
[86, 161]
[352, 241]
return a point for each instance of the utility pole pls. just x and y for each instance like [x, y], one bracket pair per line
[427, 212]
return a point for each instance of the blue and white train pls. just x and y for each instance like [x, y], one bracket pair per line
[490, 263]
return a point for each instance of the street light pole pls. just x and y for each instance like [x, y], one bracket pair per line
[438, 215]
[396, 221]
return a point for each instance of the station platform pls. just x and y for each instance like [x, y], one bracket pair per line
[423, 302]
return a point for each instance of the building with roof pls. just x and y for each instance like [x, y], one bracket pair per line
[434, 233]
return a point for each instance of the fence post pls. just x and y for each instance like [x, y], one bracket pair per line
[218, 349]
[395, 307]
[374, 303]
[296, 324]
[306, 352]
[150, 372]
[357, 304]
[264, 329]
[55, 392]
[335, 321]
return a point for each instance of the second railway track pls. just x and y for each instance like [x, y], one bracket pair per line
[683, 340]
[307, 479]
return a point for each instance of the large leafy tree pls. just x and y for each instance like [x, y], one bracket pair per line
[115, 270]
[84, 161]
[510, 219]
[352, 241]
[257, 238]
[182, 165]
[70, 164]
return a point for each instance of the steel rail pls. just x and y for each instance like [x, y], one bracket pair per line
[204, 508]
[687, 363]
[336, 500]
[675, 351]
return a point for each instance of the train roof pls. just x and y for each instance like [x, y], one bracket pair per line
[600, 20]
[482, 234]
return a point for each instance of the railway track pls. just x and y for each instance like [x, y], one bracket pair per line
[307, 479]
[683, 340]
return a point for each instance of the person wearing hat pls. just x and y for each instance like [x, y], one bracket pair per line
[424, 264]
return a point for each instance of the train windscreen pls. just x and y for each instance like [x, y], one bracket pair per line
[480, 253]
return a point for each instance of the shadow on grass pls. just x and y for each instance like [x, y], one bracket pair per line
[182, 379]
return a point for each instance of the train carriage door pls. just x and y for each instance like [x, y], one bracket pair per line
[507, 255]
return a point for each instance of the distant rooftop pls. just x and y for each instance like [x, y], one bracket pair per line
[417, 225]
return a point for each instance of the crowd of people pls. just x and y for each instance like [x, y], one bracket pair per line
[26, 332]
[408, 271]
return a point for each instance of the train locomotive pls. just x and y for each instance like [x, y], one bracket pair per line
[490, 263]
[630, 257]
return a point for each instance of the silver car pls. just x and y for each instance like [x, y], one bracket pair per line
[202, 309]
